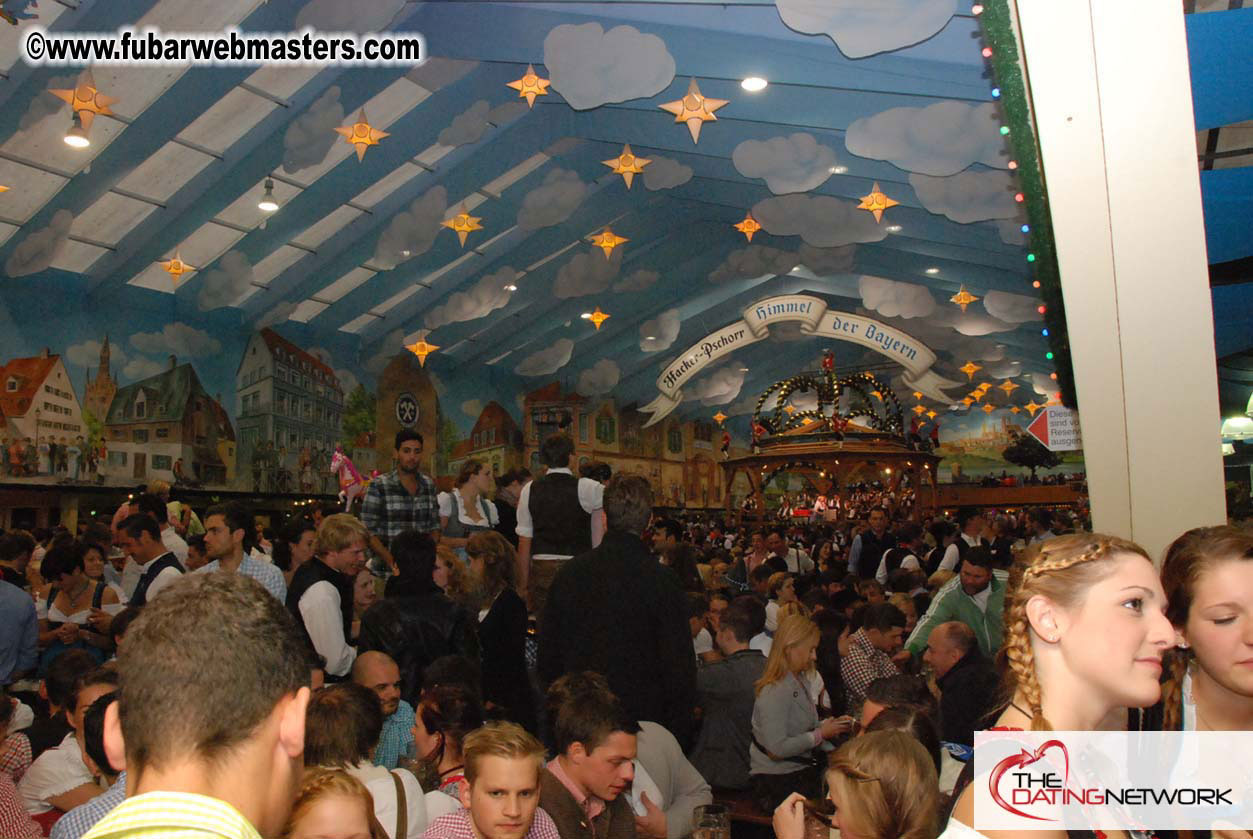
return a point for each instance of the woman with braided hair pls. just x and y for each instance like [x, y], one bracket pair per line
[1208, 579]
[1085, 633]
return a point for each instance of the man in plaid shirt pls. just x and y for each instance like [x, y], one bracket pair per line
[403, 499]
[500, 795]
[870, 650]
[378, 672]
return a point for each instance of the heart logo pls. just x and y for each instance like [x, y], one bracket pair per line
[1018, 761]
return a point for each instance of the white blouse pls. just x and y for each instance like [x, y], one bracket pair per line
[446, 500]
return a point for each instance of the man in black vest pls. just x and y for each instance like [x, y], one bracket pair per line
[869, 545]
[140, 537]
[617, 611]
[970, 524]
[909, 547]
[559, 516]
[320, 594]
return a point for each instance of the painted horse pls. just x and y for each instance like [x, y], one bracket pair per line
[351, 482]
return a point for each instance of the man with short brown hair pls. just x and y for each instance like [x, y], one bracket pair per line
[558, 518]
[210, 722]
[582, 787]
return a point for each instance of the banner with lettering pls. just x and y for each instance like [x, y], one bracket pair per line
[815, 319]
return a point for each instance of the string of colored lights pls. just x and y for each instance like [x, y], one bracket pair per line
[1001, 52]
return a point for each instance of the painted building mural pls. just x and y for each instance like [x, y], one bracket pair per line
[262, 410]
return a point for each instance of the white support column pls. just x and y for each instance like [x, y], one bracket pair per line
[1113, 105]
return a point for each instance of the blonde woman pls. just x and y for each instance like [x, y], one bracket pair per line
[883, 786]
[1085, 632]
[332, 804]
[787, 732]
[905, 603]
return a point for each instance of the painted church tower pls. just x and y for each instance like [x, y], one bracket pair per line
[101, 391]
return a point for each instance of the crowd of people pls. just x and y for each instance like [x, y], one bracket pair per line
[545, 656]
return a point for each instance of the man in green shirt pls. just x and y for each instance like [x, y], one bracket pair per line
[976, 598]
[210, 722]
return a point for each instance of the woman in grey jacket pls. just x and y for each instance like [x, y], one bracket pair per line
[786, 728]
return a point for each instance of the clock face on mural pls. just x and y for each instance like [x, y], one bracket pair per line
[407, 410]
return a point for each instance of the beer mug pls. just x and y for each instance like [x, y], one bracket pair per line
[711, 821]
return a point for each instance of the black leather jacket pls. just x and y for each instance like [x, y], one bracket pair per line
[415, 630]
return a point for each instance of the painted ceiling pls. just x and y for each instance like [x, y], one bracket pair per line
[357, 262]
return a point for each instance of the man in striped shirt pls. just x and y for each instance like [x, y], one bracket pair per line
[208, 753]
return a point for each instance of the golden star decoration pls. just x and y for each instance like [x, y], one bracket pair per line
[963, 298]
[607, 241]
[694, 109]
[598, 317]
[720, 418]
[3, 188]
[176, 267]
[789, 410]
[361, 134]
[1014, 409]
[1007, 386]
[968, 401]
[463, 223]
[987, 408]
[1032, 407]
[931, 414]
[918, 394]
[985, 386]
[876, 202]
[970, 369]
[748, 226]
[627, 164]
[421, 349]
[85, 99]
[977, 395]
[530, 86]
[920, 409]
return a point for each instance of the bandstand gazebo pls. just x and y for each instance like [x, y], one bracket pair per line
[836, 432]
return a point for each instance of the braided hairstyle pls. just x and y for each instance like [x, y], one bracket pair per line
[1188, 559]
[1060, 569]
[320, 783]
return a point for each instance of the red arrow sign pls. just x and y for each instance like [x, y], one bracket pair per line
[1039, 427]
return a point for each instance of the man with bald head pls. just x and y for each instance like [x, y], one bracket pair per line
[379, 672]
[966, 680]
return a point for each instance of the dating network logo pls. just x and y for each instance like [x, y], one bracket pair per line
[1027, 788]
[1021, 783]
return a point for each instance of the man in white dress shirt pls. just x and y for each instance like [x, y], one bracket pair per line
[559, 516]
[140, 537]
[320, 596]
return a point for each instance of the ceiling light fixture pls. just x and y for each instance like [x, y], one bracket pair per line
[76, 136]
[933, 270]
[894, 228]
[753, 84]
[586, 316]
[838, 170]
[511, 287]
[650, 337]
[268, 203]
